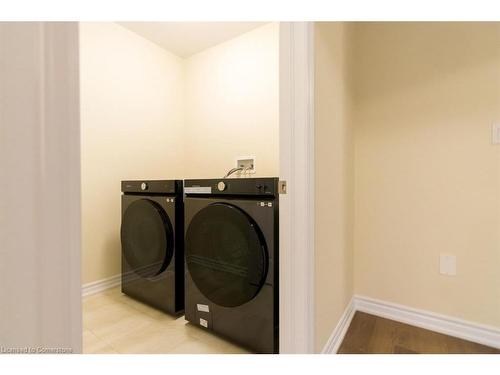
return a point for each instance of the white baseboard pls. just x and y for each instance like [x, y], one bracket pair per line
[101, 285]
[337, 336]
[447, 325]
[451, 326]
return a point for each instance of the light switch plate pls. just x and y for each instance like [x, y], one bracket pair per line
[447, 264]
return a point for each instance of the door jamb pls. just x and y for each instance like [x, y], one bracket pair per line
[297, 168]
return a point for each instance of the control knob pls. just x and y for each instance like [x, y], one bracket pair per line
[221, 186]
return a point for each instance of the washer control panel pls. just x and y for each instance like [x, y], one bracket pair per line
[152, 186]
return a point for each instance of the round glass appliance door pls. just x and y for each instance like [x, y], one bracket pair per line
[147, 238]
[226, 254]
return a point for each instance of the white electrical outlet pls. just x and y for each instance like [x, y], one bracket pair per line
[447, 264]
[495, 134]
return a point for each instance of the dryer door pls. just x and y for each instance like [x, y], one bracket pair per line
[226, 254]
[147, 238]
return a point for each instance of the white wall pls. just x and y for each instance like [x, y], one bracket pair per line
[427, 176]
[40, 178]
[132, 114]
[334, 177]
[233, 105]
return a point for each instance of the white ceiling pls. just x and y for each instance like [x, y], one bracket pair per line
[187, 38]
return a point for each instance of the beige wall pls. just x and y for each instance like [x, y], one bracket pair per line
[147, 114]
[132, 116]
[420, 99]
[233, 110]
[427, 178]
[334, 147]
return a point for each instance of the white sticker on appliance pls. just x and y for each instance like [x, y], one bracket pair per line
[201, 307]
[203, 323]
[198, 190]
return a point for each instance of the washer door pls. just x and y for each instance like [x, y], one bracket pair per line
[147, 238]
[226, 254]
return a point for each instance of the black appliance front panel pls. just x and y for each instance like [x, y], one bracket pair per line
[152, 250]
[246, 254]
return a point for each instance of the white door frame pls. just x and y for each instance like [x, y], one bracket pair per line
[58, 187]
[297, 206]
[40, 284]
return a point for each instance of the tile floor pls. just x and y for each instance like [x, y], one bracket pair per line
[115, 323]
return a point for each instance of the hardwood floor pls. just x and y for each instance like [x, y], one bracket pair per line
[369, 334]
